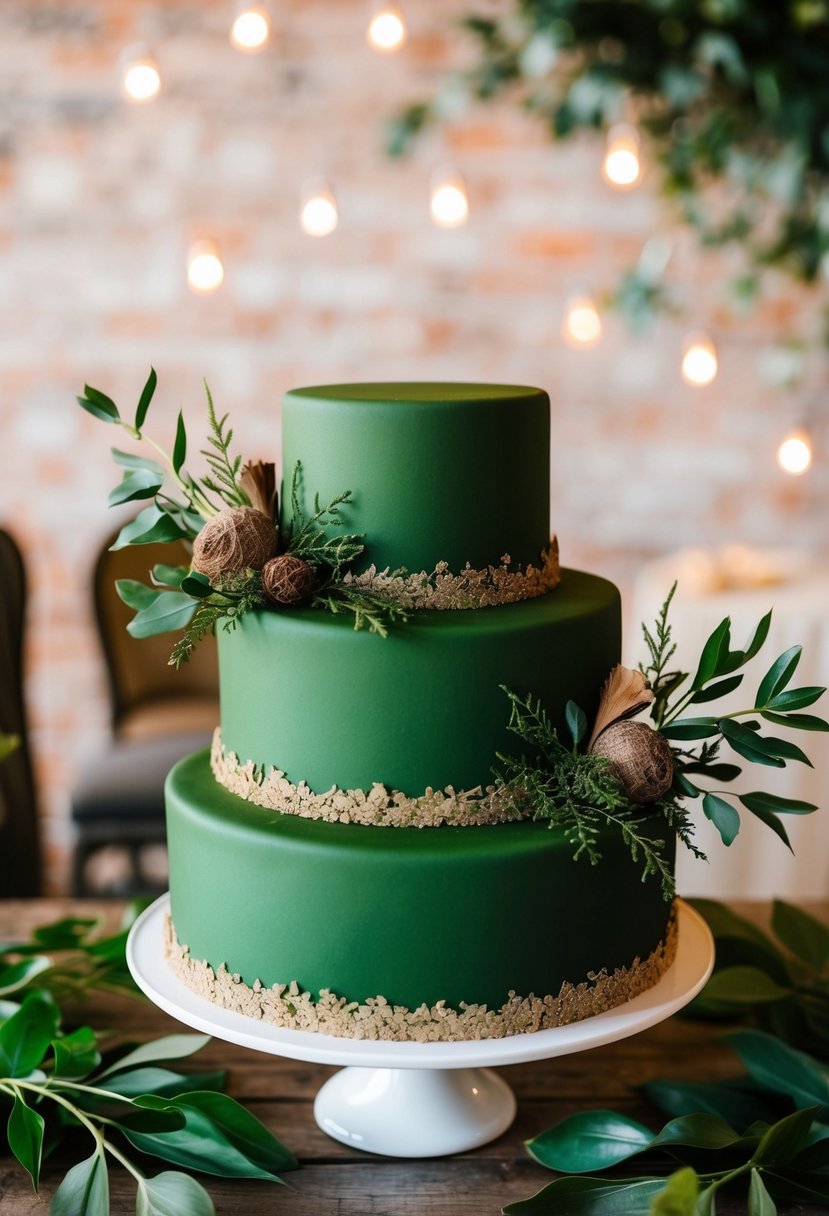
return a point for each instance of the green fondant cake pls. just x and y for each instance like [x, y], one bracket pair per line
[358, 874]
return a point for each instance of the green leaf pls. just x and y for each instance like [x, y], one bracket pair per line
[576, 722]
[723, 815]
[197, 586]
[171, 1047]
[180, 446]
[76, 1054]
[784, 750]
[138, 483]
[25, 1037]
[131, 460]
[743, 986]
[760, 635]
[145, 399]
[18, 975]
[780, 1068]
[748, 744]
[806, 937]
[589, 1140]
[709, 663]
[730, 1100]
[168, 576]
[149, 1115]
[760, 1202]
[172, 1194]
[713, 691]
[686, 788]
[162, 1083]
[796, 698]
[585, 1196]
[778, 675]
[66, 933]
[691, 728]
[784, 1139]
[776, 804]
[771, 821]
[98, 404]
[798, 1186]
[797, 721]
[84, 1191]
[716, 772]
[25, 1135]
[679, 1197]
[169, 611]
[149, 527]
[723, 922]
[134, 594]
[220, 1138]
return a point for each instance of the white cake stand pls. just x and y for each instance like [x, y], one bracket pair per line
[417, 1099]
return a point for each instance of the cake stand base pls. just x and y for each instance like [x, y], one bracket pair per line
[417, 1099]
[412, 1112]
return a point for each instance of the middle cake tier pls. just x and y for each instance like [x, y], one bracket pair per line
[302, 692]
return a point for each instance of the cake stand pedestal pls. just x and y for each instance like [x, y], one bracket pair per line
[417, 1099]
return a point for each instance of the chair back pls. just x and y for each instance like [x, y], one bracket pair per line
[20, 857]
[138, 669]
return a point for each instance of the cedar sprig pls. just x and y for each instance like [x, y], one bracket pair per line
[576, 792]
[370, 609]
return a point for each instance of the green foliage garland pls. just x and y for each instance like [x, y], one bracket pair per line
[733, 95]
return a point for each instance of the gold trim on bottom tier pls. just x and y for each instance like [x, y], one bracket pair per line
[287, 1006]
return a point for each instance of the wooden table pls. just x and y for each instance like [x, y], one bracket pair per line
[337, 1181]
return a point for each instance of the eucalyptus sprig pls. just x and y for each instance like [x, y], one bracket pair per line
[577, 792]
[55, 1083]
[719, 673]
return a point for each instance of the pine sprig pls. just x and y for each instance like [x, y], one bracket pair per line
[308, 537]
[223, 478]
[370, 609]
[225, 604]
[576, 792]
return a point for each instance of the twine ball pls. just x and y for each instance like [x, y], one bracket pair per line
[287, 579]
[641, 759]
[237, 539]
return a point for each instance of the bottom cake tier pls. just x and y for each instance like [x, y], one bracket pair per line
[403, 933]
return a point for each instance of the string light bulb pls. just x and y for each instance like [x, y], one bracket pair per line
[449, 204]
[318, 213]
[582, 326]
[386, 31]
[205, 273]
[140, 76]
[795, 453]
[622, 167]
[699, 360]
[251, 29]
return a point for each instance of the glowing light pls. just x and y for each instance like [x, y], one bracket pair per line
[205, 272]
[140, 77]
[318, 213]
[251, 28]
[795, 453]
[621, 167]
[387, 29]
[449, 205]
[582, 326]
[699, 360]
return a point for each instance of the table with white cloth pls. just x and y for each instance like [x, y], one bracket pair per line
[743, 584]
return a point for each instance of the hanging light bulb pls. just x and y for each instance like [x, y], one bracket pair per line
[205, 272]
[795, 452]
[251, 27]
[582, 326]
[387, 30]
[621, 166]
[699, 360]
[140, 75]
[318, 212]
[449, 205]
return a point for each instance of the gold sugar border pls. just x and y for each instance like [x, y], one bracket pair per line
[287, 1006]
[377, 807]
[443, 590]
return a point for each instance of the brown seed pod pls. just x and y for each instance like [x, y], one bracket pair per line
[641, 759]
[236, 539]
[287, 579]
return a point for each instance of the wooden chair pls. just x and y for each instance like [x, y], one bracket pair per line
[20, 856]
[159, 715]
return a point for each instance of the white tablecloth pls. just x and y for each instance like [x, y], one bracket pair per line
[757, 865]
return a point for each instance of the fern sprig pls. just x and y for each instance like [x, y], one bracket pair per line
[223, 478]
[370, 609]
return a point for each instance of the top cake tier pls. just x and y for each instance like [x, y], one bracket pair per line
[455, 473]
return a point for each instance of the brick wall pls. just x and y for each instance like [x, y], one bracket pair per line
[99, 199]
